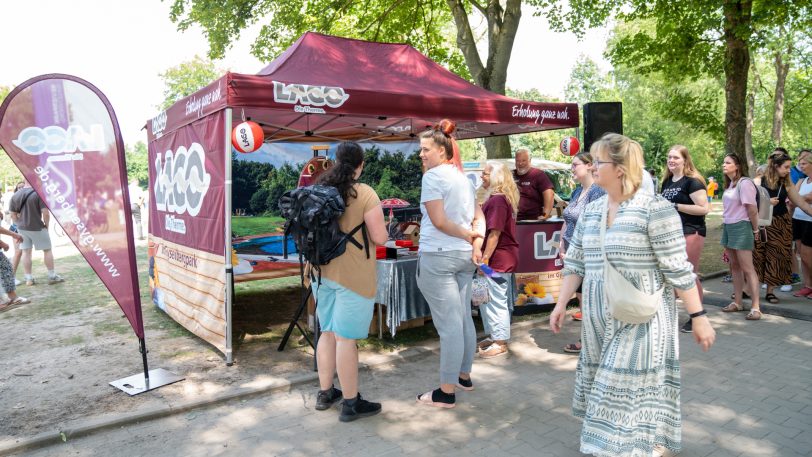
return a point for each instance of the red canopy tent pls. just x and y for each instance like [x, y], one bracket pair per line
[321, 88]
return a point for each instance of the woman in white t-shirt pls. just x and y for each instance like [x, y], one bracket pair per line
[451, 232]
[802, 228]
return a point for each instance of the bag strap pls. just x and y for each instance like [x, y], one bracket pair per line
[25, 199]
[604, 218]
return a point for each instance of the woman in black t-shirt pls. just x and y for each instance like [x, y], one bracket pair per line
[685, 188]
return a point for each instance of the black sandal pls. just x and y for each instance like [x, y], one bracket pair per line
[771, 298]
[744, 296]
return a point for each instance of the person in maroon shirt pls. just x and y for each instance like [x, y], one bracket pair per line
[535, 189]
[501, 253]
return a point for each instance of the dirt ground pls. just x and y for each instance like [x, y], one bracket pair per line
[58, 354]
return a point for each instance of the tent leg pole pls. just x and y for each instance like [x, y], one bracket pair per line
[143, 344]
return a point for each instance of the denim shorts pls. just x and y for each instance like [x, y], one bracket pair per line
[738, 236]
[343, 311]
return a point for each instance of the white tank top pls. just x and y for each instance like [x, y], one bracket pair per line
[806, 187]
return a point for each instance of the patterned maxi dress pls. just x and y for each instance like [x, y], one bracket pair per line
[627, 383]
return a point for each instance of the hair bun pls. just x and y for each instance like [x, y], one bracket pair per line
[447, 126]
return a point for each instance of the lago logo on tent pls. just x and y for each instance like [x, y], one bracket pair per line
[302, 94]
[57, 140]
[182, 181]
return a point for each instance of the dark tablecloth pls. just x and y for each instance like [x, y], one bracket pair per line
[397, 290]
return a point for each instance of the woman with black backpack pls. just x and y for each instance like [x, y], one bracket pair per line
[345, 294]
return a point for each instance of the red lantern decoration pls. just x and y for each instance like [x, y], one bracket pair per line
[247, 137]
[570, 146]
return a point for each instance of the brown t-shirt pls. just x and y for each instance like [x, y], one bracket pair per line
[352, 269]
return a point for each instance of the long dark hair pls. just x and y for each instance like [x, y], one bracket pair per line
[742, 166]
[349, 157]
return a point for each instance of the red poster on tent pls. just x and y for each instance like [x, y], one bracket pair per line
[63, 135]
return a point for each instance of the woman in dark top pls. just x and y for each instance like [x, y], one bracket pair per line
[685, 188]
[501, 253]
[773, 257]
[584, 193]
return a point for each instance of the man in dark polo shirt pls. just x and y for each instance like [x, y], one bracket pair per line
[536, 192]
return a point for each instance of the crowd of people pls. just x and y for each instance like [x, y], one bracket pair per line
[618, 221]
[651, 233]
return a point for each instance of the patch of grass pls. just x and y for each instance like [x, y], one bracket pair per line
[179, 354]
[711, 259]
[107, 327]
[256, 225]
[72, 341]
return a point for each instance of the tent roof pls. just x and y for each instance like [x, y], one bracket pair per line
[330, 88]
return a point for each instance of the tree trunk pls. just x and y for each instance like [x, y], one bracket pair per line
[502, 26]
[781, 70]
[748, 132]
[737, 32]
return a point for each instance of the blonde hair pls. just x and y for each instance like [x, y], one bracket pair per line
[502, 183]
[688, 169]
[627, 155]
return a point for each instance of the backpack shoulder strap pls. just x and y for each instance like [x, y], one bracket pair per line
[351, 237]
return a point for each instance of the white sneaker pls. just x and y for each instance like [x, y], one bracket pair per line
[17, 282]
[764, 286]
[786, 288]
[55, 279]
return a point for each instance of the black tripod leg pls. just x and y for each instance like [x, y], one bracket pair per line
[294, 323]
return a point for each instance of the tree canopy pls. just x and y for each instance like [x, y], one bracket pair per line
[186, 78]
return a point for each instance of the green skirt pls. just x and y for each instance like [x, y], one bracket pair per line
[738, 236]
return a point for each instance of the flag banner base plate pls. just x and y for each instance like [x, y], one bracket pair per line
[137, 384]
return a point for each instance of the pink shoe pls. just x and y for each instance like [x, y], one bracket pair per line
[805, 290]
[426, 400]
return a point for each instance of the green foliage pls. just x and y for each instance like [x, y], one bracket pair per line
[403, 173]
[259, 201]
[280, 181]
[424, 24]
[247, 178]
[137, 167]
[186, 78]
[385, 188]
[9, 174]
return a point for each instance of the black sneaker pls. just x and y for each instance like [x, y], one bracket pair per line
[326, 398]
[360, 408]
[688, 327]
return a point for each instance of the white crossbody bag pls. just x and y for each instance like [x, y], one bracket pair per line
[626, 302]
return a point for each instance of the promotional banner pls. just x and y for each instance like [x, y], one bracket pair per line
[187, 227]
[63, 135]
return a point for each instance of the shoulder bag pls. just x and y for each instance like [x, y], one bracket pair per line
[626, 302]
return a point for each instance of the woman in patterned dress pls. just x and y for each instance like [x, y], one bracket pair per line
[772, 257]
[627, 383]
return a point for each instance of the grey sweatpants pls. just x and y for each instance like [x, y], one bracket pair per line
[444, 278]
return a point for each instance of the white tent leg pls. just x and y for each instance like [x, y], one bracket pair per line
[227, 234]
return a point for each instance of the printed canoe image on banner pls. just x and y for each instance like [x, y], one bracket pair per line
[247, 137]
[313, 169]
[570, 146]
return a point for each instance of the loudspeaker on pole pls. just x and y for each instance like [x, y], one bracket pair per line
[601, 118]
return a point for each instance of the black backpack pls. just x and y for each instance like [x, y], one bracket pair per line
[311, 218]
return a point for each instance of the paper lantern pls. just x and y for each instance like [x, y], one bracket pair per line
[247, 137]
[570, 146]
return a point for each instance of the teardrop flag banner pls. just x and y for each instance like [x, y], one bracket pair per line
[63, 135]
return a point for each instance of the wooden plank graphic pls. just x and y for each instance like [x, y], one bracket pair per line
[189, 286]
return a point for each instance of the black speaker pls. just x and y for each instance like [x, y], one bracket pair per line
[601, 118]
